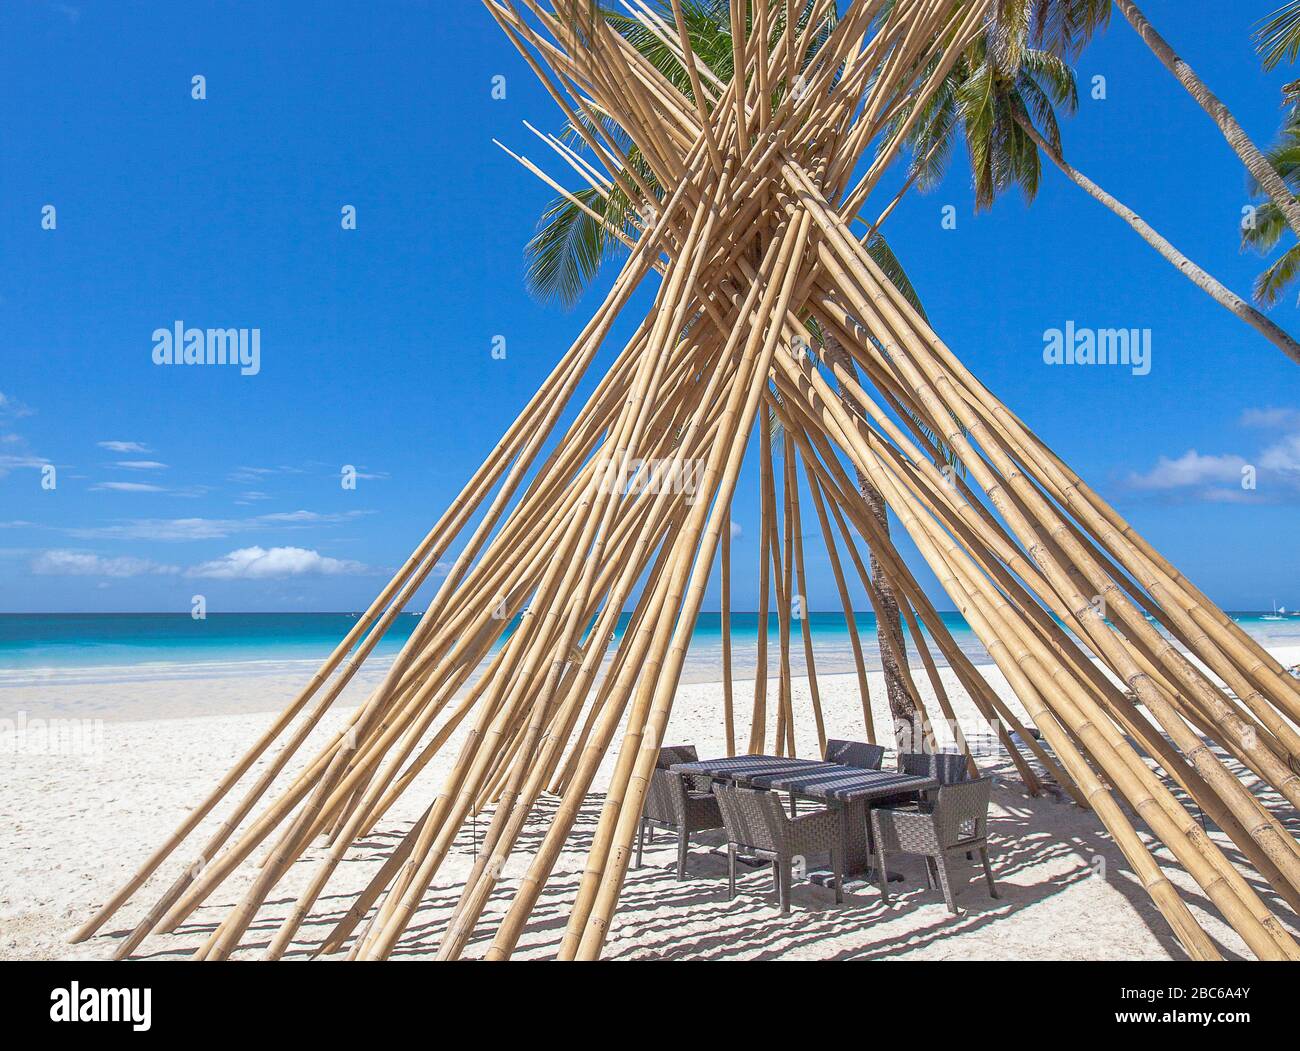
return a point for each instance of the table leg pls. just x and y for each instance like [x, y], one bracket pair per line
[855, 844]
[853, 831]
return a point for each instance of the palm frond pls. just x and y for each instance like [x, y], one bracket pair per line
[1269, 226]
[1285, 158]
[883, 256]
[1278, 36]
[1064, 27]
[567, 251]
[976, 98]
[933, 134]
[1040, 111]
[1270, 285]
[1052, 75]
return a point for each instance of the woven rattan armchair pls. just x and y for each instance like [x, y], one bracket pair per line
[755, 821]
[855, 753]
[680, 803]
[944, 767]
[956, 822]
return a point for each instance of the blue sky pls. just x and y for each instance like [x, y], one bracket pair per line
[375, 342]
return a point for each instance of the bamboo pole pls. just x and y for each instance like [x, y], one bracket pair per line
[1279, 846]
[805, 616]
[645, 751]
[724, 606]
[758, 718]
[783, 569]
[850, 620]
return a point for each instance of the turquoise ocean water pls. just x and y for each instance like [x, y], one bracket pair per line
[36, 648]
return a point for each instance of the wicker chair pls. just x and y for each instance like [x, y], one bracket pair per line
[855, 753]
[957, 821]
[680, 803]
[849, 753]
[945, 767]
[757, 822]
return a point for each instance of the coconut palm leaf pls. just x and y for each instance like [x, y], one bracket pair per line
[998, 79]
[1269, 225]
[570, 246]
[879, 250]
[1278, 36]
[1064, 27]
[1273, 282]
[934, 134]
[1268, 228]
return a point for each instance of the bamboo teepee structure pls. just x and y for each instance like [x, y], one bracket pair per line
[741, 201]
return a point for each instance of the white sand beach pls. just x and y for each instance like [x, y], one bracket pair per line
[74, 826]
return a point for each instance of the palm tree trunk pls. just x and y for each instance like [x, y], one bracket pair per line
[1225, 297]
[892, 662]
[1251, 156]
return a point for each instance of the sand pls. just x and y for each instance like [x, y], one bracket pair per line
[76, 823]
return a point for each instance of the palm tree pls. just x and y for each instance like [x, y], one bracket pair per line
[1002, 95]
[571, 246]
[1268, 226]
[998, 78]
[1065, 26]
[1263, 173]
[1278, 39]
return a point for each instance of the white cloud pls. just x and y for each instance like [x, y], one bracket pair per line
[1282, 456]
[209, 528]
[1275, 469]
[258, 563]
[1231, 496]
[1189, 470]
[160, 529]
[13, 408]
[257, 475]
[736, 531]
[1271, 418]
[14, 462]
[82, 564]
[20, 454]
[141, 465]
[123, 447]
[249, 563]
[302, 517]
[128, 487]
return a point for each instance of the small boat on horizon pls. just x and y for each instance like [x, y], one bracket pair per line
[1279, 613]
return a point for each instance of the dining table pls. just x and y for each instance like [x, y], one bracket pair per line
[850, 790]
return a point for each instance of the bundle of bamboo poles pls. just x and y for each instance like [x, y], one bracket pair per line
[741, 197]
